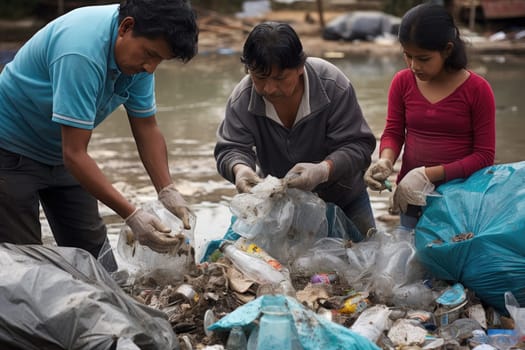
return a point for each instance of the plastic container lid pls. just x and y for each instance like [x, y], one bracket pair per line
[452, 296]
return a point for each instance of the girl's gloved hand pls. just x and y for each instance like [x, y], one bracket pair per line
[378, 173]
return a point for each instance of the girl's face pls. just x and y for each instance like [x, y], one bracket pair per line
[425, 64]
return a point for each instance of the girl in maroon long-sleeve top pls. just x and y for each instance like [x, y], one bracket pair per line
[441, 112]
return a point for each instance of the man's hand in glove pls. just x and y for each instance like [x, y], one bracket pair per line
[245, 178]
[378, 173]
[173, 201]
[150, 231]
[306, 176]
[413, 189]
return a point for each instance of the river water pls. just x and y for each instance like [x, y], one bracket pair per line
[191, 99]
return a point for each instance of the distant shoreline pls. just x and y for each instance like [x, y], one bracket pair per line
[225, 34]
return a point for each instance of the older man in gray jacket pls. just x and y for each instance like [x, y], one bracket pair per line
[298, 117]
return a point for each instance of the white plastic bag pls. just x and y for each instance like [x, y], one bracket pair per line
[283, 221]
[139, 260]
[517, 313]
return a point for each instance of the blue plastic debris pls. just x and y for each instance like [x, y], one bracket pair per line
[313, 331]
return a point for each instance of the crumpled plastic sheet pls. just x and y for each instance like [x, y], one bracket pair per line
[338, 226]
[314, 332]
[62, 298]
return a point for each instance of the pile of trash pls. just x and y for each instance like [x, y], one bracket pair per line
[290, 273]
[426, 314]
[374, 293]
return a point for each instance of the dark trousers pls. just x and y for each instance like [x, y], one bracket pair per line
[71, 211]
[360, 213]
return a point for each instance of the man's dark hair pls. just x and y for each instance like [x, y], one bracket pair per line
[272, 44]
[173, 20]
[431, 27]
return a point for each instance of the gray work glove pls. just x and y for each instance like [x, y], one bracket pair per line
[245, 178]
[306, 176]
[175, 203]
[378, 173]
[150, 231]
[413, 189]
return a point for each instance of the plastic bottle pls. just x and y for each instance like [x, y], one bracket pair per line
[236, 339]
[253, 267]
[253, 249]
[276, 331]
[372, 322]
[478, 337]
[253, 338]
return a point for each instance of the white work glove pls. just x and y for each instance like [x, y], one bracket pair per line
[175, 203]
[378, 173]
[245, 178]
[413, 189]
[150, 231]
[306, 176]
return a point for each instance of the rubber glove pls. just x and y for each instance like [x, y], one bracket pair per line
[413, 189]
[378, 173]
[150, 231]
[175, 203]
[306, 176]
[245, 178]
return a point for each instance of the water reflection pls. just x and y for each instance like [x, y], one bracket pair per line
[191, 101]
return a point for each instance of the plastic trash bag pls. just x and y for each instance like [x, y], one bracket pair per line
[282, 221]
[302, 212]
[62, 298]
[313, 331]
[285, 222]
[475, 233]
[361, 25]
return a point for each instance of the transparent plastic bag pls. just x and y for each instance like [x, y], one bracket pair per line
[140, 261]
[326, 255]
[295, 221]
[517, 313]
[396, 266]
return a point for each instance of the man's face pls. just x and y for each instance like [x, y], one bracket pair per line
[279, 84]
[135, 54]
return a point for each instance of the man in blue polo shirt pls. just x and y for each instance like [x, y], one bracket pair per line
[61, 84]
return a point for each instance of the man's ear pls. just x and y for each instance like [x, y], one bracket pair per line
[126, 25]
[300, 70]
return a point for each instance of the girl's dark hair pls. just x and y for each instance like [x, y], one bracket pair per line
[272, 44]
[431, 27]
[173, 20]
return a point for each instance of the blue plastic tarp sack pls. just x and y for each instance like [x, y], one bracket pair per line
[62, 298]
[313, 331]
[474, 233]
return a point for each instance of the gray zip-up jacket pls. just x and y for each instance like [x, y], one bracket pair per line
[335, 130]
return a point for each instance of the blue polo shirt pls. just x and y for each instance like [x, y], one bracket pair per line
[66, 74]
